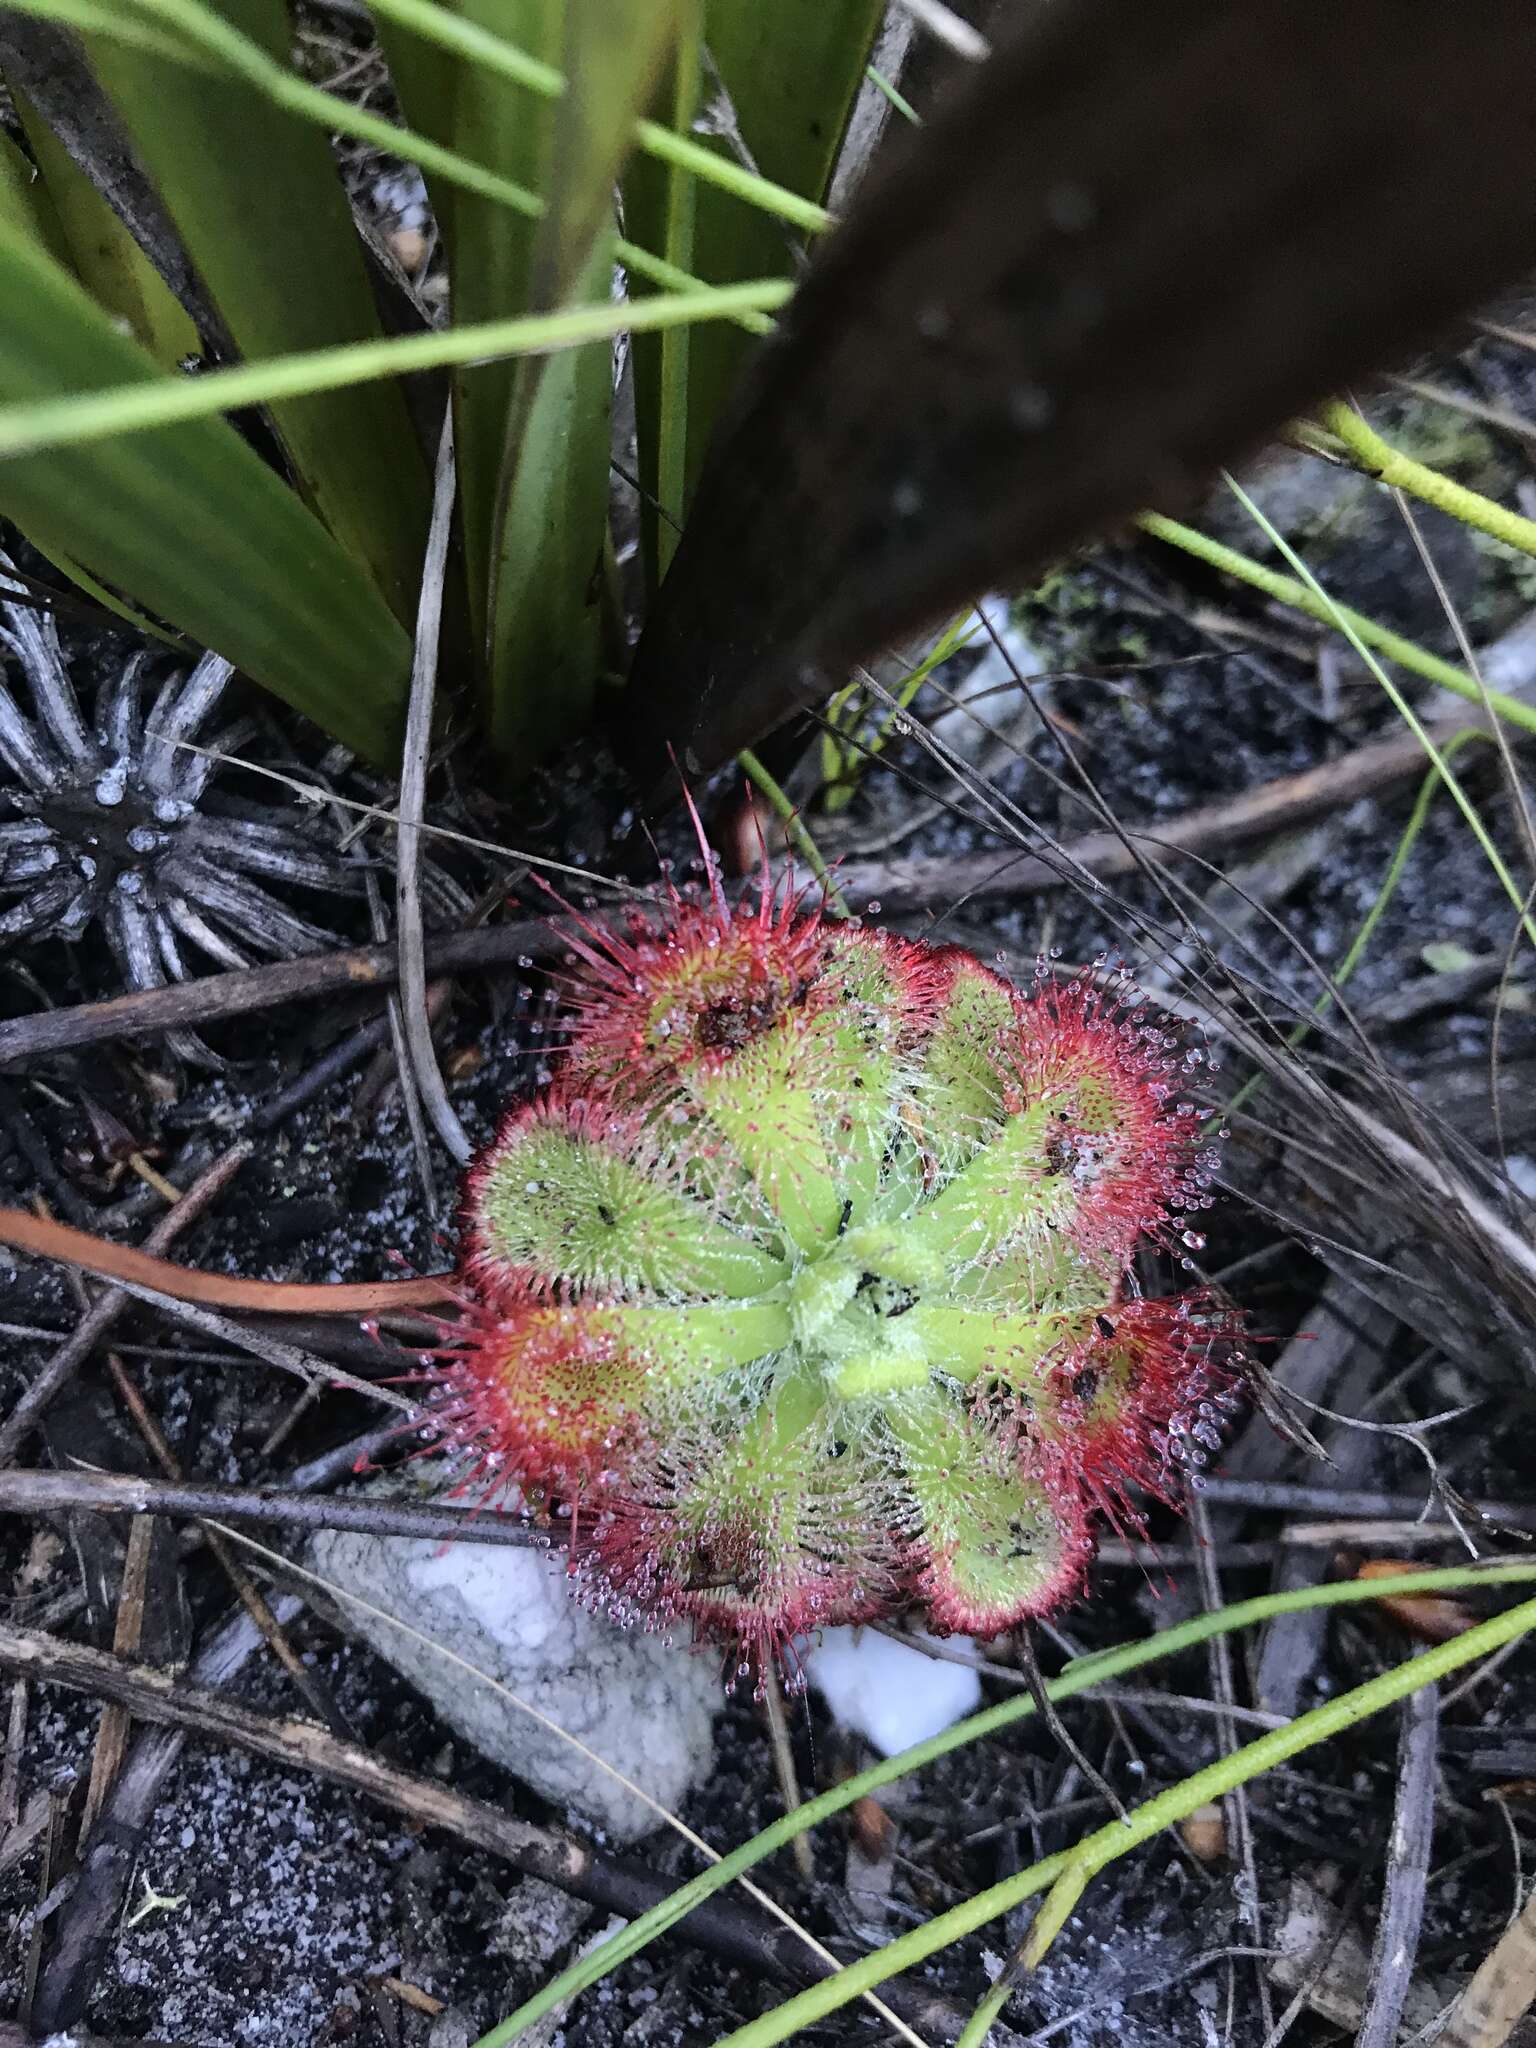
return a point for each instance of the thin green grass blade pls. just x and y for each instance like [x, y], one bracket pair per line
[1080, 1676]
[1292, 591]
[189, 522]
[661, 202]
[432, 23]
[210, 43]
[842, 761]
[491, 251]
[102, 253]
[1339, 977]
[614, 53]
[102, 413]
[26, 208]
[254, 195]
[1068, 1875]
[1405, 711]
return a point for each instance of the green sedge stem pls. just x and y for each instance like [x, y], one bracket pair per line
[904, 107]
[842, 763]
[1403, 708]
[1401, 472]
[1289, 591]
[1080, 1676]
[1067, 1876]
[795, 826]
[124, 409]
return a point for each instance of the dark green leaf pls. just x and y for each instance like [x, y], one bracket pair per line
[189, 522]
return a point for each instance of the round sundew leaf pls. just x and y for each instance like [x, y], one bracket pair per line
[756, 1530]
[853, 1054]
[682, 1344]
[997, 1544]
[969, 1343]
[1007, 1191]
[1044, 1270]
[573, 1210]
[763, 1102]
[539, 1390]
[969, 1061]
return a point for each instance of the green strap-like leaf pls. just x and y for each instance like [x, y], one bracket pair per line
[552, 490]
[25, 204]
[254, 195]
[791, 71]
[546, 593]
[102, 253]
[189, 522]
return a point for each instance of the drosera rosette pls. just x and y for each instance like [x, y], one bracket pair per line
[807, 1293]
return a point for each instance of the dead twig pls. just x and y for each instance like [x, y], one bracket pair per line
[1501, 1991]
[412, 805]
[731, 1931]
[1402, 1908]
[213, 997]
[1235, 1811]
[1004, 874]
[99, 1318]
[304, 1365]
[24, 1135]
[400, 1058]
[246, 1591]
[343, 1056]
[26, 1492]
[127, 1637]
[1274, 1496]
[10, 1760]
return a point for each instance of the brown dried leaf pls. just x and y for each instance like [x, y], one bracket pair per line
[1432, 1617]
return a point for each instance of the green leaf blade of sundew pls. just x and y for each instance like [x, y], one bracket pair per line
[763, 1102]
[696, 1341]
[573, 1210]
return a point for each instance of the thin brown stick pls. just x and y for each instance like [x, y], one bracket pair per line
[1503, 1988]
[120, 1262]
[98, 1319]
[213, 997]
[734, 1932]
[246, 1591]
[1396, 1947]
[127, 1636]
[28, 1492]
[245, 1337]
[1235, 1810]
[412, 803]
[902, 886]
[1278, 1497]
[10, 1759]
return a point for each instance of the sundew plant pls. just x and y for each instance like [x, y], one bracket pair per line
[806, 1292]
